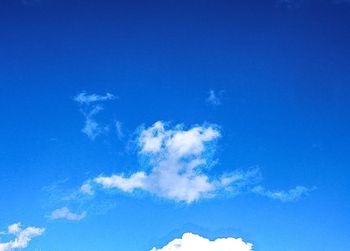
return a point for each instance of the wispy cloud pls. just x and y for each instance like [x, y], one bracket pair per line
[22, 237]
[86, 188]
[90, 105]
[293, 194]
[190, 241]
[65, 213]
[119, 129]
[84, 98]
[214, 98]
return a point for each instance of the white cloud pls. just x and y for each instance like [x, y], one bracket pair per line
[214, 98]
[22, 237]
[86, 188]
[137, 180]
[92, 129]
[284, 196]
[177, 158]
[176, 161]
[84, 98]
[65, 213]
[90, 107]
[192, 242]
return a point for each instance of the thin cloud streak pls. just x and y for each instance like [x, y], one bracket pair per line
[291, 195]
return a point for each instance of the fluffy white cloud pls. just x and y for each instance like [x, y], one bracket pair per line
[284, 196]
[22, 237]
[177, 158]
[65, 213]
[191, 242]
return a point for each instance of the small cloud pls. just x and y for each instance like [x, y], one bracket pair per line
[126, 184]
[191, 242]
[238, 180]
[65, 213]
[22, 237]
[293, 194]
[90, 107]
[92, 129]
[86, 99]
[214, 98]
[86, 188]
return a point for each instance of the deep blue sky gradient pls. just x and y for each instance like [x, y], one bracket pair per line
[285, 76]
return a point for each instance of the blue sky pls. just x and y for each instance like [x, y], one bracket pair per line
[126, 124]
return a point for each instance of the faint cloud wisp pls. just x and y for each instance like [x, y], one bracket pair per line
[90, 107]
[65, 213]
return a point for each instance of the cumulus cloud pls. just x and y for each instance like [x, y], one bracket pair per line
[90, 105]
[284, 196]
[214, 98]
[22, 237]
[177, 158]
[191, 242]
[65, 213]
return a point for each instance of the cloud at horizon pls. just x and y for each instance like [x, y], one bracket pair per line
[191, 242]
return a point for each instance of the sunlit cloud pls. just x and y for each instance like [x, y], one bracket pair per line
[191, 242]
[178, 158]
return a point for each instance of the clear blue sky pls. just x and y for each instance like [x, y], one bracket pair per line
[279, 73]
